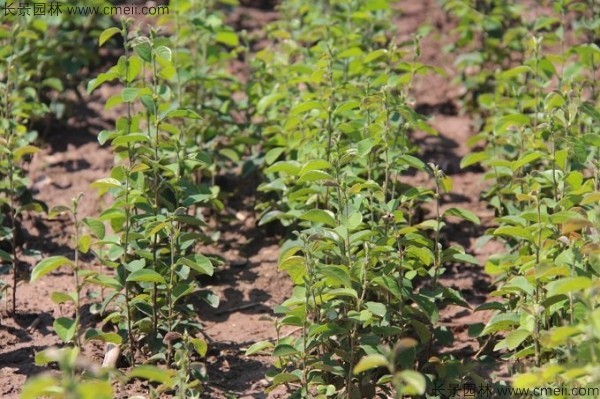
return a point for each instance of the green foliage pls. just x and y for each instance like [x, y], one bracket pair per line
[156, 212]
[541, 156]
[78, 379]
[335, 95]
[19, 106]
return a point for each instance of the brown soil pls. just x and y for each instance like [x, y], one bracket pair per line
[249, 285]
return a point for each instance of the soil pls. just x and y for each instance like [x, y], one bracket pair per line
[249, 284]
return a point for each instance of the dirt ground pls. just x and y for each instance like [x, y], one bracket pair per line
[249, 285]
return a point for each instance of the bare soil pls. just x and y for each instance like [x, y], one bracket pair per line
[249, 285]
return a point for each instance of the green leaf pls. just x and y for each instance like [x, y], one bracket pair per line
[314, 175]
[258, 347]
[146, 275]
[230, 154]
[107, 34]
[100, 79]
[41, 386]
[200, 346]
[5, 256]
[521, 283]
[129, 94]
[283, 378]
[95, 226]
[464, 214]
[567, 285]
[374, 55]
[351, 52]
[284, 350]
[53, 83]
[338, 275]
[61, 297]
[48, 265]
[513, 231]
[288, 167]
[106, 183]
[526, 159]
[370, 362]
[414, 380]
[473, 158]
[319, 216]
[152, 373]
[130, 138]
[65, 328]
[272, 155]
[163, 52]
[228, 38]
[182, 113]
[144, 51]
[25, 150]
[412, 161]
[199, 263]
[501, 322]
[516, 338]
[305, 107]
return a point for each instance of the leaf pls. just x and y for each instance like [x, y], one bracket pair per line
[200, 346]
[199, 263]
[575, 225]
[464, 214]
[258, 347]
[319, 216]
[288, 167]
[146, 275]
[472, 158]
[516, 338]
[129, 94]
[374, 55]
[526, 159]
[272, 155]
[5, 256]
[314, 175]
[48, 265]
[412, 162]
[414, 380]
[53, 83]
[106, 183]
[283, 378]
[151, 373]
[144, 51]
[513, 231]
[351, 52]
[568, 285]
[130, 138]
[61, 297]
[305, 107]
[228, 38]
[518, 70]
[370, 362]
[107, 34]
[163, 52]
[339, 275]
[25, 150]
[182, 113]
[65, 328]
[500, 322]
[521, 283]
[40, 386]
[95, 226]
[100, 79]
[284, 350]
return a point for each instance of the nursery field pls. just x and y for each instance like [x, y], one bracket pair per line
[294, 199]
